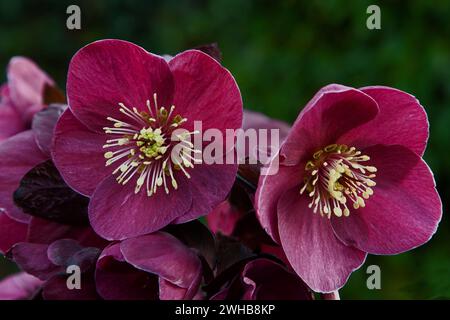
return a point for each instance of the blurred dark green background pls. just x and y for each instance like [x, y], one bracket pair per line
[281, 53]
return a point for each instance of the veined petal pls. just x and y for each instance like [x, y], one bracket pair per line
[26, 82]
[402, 120]
[79, 155]
[404, 211]
[209, 184]
[205, 91]
[318, 257]
[108, 72]
[270, 189]
[332, 112]
[164, 255]
[18, 155]
[117, 213]
[116, 279]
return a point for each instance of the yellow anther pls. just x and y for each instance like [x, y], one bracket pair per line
[317, 154]
[330, 148]
[336, 175]
[109, 155]
[309, 166]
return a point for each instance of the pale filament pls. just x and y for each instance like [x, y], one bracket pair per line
[143, 144]
[337, 177]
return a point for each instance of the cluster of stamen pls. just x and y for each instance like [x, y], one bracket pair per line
[337, 176]
[143, 147]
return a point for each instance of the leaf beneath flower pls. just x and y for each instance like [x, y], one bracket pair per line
[197, 236]
[230, 252]
[43, 193]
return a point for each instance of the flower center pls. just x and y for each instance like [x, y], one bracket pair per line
[151, 142]
[335, 176]
[143, 145]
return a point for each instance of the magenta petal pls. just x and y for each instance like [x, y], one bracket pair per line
[205, 91]
[332, 112]
[117, 280]
[18, 155]
[209, 185]
[267, 280]
[270, 189]
[318, 257]
[33, 259]
[169, 291]
[264, 147]
[401, 120]
[45, 232]
[113, 203]
[107, 72]
[11, 232]
[56, 289]
[79, 155]
[26, 82]
[4, 93]
[10, 122]
[164, 255]
[60, 251]
[404, 211]
[19, 286]
[257, 120]
[43, 125]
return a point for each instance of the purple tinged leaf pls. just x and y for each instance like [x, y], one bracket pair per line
[230, 252]
[195, 235]
[43, 193]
